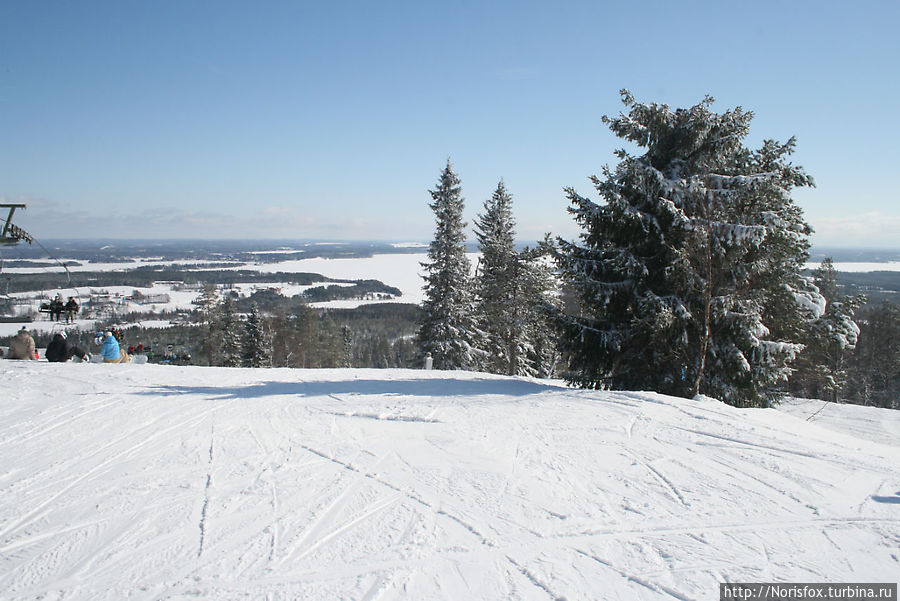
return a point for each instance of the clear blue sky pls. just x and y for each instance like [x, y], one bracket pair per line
[333, 119]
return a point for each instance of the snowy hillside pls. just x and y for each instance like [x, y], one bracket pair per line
[154, 482]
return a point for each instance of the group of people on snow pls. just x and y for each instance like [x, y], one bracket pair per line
[60, 349]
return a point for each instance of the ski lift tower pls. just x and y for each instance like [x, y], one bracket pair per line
[13, 234]
[10, 235]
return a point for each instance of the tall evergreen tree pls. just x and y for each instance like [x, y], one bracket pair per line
[231, 332]
[315, 339]
[539, 291]
[696, 245]
[284, 340]
[257, 343]
[498, 287]
[447, 329]
[329, 345]
[208, 301]
[513, 291]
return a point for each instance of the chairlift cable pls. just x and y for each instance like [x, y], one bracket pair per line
[61, 264]
[58, 262]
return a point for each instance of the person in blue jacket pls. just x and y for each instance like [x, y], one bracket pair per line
[111, 351]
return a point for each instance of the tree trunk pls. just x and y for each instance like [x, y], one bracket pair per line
[707, 302]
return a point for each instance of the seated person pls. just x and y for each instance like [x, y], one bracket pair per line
[111, 351]
[71, 309]
[22, 346]
[60, 350]
[56, 308]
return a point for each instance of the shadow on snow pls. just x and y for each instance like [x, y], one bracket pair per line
[443, 387]
[894, 499]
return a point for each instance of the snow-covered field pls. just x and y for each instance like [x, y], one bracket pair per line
[401, 271]
[861, 267]
[155, 482]
[870, 423]
[125, 265]
[398, 270]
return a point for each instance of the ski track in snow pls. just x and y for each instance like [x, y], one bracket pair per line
[212, 438]
[168, 483]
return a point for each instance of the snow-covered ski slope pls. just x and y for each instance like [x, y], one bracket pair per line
[155, 482]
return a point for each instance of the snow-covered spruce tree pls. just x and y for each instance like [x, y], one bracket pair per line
[513, 291]
[539, 289]
[208, 303]
[257, 343]
[498, 289]
[447, 328]
[688, 272]
[231, 330]
[821, 370]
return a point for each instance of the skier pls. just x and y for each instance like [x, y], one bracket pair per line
[22, 346]
[111, 351]
[60, 350]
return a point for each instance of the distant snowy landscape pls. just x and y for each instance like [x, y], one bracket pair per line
[400, 270]
[158, 482]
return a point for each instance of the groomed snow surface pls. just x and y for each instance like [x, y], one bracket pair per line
[172, 483]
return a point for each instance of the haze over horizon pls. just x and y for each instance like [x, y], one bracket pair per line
[302, 121]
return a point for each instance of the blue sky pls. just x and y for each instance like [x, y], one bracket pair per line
[333, 119]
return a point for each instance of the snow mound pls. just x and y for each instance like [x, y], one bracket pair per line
[159, 482]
